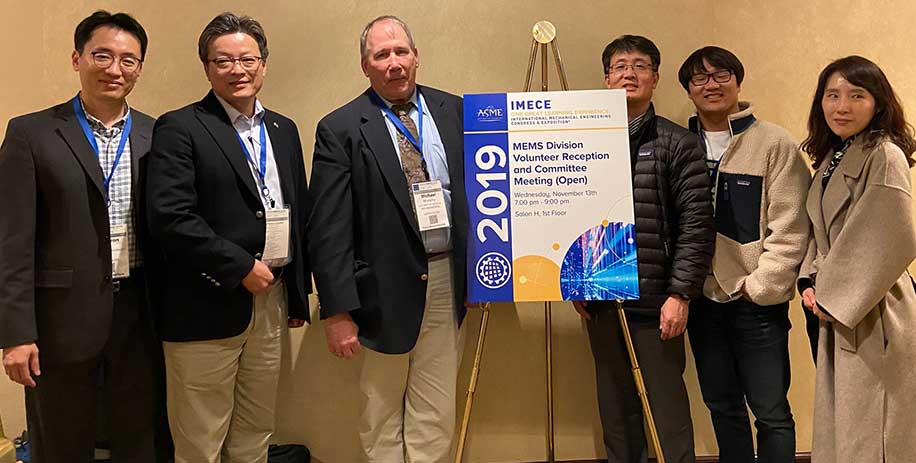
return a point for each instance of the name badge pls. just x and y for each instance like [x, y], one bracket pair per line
[429, 203]
[120, 252]
[276, 238]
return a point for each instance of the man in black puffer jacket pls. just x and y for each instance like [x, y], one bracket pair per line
[674, 241]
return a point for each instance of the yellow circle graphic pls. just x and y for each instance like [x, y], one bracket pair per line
[536, 278]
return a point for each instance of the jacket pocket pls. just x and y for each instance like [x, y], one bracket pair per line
[738, 202]
[56, 278]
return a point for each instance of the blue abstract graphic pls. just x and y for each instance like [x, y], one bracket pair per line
[601, 265]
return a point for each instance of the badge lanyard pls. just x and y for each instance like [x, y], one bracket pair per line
[261, 166]
[418, 144]
[90, 136]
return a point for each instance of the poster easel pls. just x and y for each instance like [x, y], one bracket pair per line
[544, 34]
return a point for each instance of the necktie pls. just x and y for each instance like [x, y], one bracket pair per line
[411, 161]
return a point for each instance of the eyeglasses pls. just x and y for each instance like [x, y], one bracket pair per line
[721, 76]
[248, 63]
[638, 67]
[104, 60]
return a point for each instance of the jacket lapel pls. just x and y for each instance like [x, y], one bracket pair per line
[282, 156]
[70, 130]
[139, 147]
[213, 117]
[375, 133]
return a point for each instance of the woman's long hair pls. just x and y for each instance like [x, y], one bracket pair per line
[888, 121]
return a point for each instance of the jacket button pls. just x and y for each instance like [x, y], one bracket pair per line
[259, 214]
[258, 255]
[424, 277]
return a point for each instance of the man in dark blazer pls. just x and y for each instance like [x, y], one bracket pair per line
[228, 203]
[390, 276]
[73, 298]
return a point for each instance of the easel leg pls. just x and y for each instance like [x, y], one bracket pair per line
[472, 385]
[549, 345]
[640, 386]
[531, 58]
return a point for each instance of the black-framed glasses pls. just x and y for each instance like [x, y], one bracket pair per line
[637, 67]
[104, 60]
[721, 76]
[225, 63]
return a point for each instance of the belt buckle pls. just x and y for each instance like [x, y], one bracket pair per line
[115, 286]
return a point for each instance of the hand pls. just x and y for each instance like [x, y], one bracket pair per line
[21, 362]
[822, 314]
[580, 307]
[341, 332]
[258, 279]
[673, 319]
[295, 322]
[808, 299]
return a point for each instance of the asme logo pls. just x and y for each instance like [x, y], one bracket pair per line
[489, 114]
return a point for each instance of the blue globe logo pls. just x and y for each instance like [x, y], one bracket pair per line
[493, 270]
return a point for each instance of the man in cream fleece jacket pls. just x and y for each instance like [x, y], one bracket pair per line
[739, 328]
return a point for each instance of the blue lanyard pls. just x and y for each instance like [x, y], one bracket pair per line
[90, 136]
[418, 144]
[261, 166]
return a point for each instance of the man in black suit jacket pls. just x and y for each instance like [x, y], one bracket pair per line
[228, 203]
[388, 277]
[73, 307]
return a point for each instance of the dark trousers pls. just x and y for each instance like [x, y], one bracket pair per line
[662, 364]
[742, 358]
[812, 327]
[62, 411]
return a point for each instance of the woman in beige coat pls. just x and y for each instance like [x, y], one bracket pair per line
[854, 277]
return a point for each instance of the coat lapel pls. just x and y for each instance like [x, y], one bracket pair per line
[375, 133]
[70, 130]
[212, 115]
[282, 157]
[838, 194]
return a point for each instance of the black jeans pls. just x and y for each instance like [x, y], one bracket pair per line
[742, 354]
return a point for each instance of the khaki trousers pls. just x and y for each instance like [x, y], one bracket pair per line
[408, 400]
[222, 393]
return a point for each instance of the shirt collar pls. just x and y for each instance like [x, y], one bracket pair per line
[235, 114]
[636, 123]
[98, 126]
[413, 99]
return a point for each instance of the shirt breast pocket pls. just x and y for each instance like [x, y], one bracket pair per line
[738, 203]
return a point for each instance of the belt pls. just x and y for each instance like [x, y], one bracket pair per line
[438, 255]
[278, 272]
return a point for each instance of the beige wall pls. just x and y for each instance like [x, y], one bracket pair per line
[471, 46]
